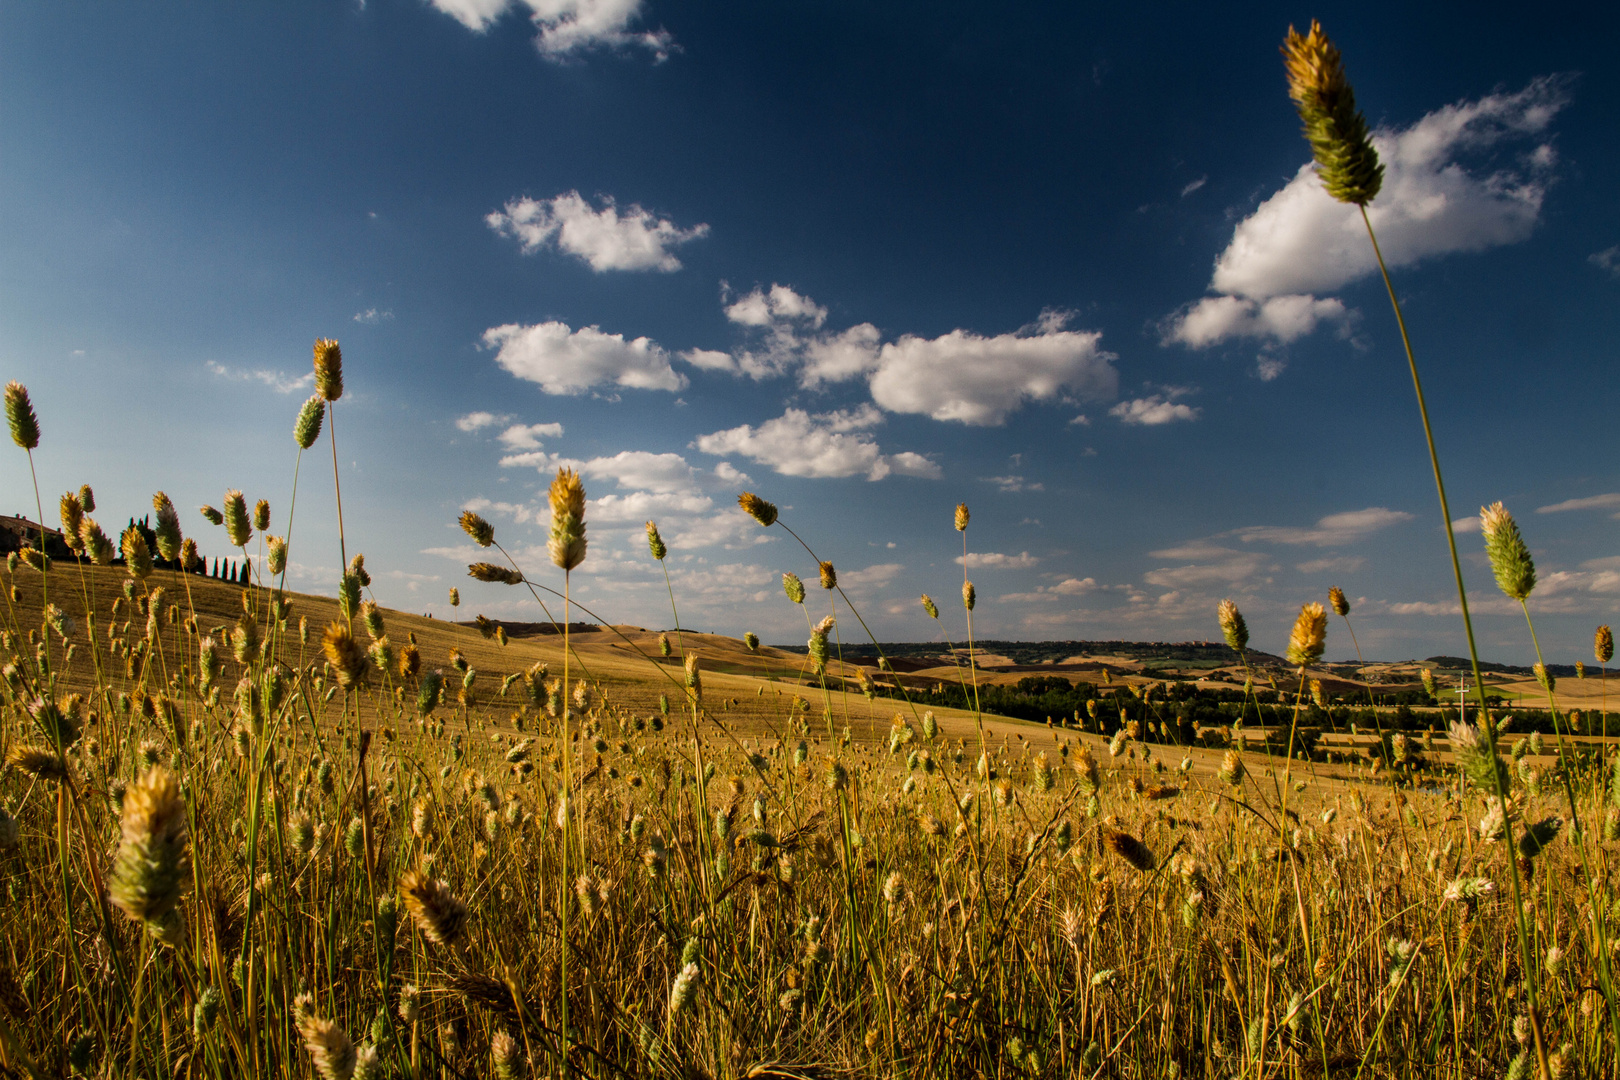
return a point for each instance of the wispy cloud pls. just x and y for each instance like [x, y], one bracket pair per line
[372, 316]
[1194, 186]
[996, 560]
[279, 381]
[1591, 502]
[1331, 531]
[1156, 408]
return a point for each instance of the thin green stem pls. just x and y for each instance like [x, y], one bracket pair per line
[1473, 650]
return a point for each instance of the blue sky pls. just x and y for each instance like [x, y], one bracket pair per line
[868, 261]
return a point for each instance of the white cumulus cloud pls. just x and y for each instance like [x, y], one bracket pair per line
[606, 239]
[799, 443]
[528, 436]
[980, 380]
[567, 361]
[1153, 410]
[1279, 318]
[1435, 201]
[780, 304]
[476, 421]
[566, 26]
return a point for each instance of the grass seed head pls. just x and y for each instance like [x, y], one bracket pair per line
[961, 517]
[276, 555]
[261, 515]
[137, 556]
[970, 595]
[1308, 639]
[482, 532]
[1345, 158]
[37, 761]
[490, 572]
[1603, 645]
[20, 415]
[213, 516]
[345, 655]
[328, 369]
[307, 428]
[190, 561]
[793, 587]
[437, 913]
[655, 542]
[757, 508]
[1232, 768]
[567, 498]
[238, 529]
[829, 576]
[154, 858]
[929, 606]
[95, 543]
[1130, 849]
[72, 512]
[1510, 558]
[1336, 600]
[329, 1047]
[751, 642]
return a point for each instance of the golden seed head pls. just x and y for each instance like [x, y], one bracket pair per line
[503, 575]
[1317, 697]
[345, 655]
[694, 676]
[137, 556]
[1603, 645]
[276, 556]
[655, 542]
[482, 532]
[1510, 558]
[214, 516]
[1232, 768]
[410, 662]
[1544, 677]
[929, 606]
[961, 517]
[757, 508]
[154, 859]
[970, 595]
[1345, 159]
[1428, 681]
[72, 518]
[37, 761]
[567, 497]
[1130, 849]
[437, 913]
[261, 515]
[95, 543]
[328, 369]
[238, 529]
[793, 587]
[1233, 628]
[20, 415]
[168, 528]
[329, 1046]
[455, 596]
[1336, 599]
[307, 428]
[829, 576]
[1308, 640]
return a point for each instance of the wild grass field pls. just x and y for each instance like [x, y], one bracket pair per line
[246, 832]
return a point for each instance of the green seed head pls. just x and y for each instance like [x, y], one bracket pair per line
[1336, 130]
[1510, 558]
[308, 426]
[20, 415]
[238, 529]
